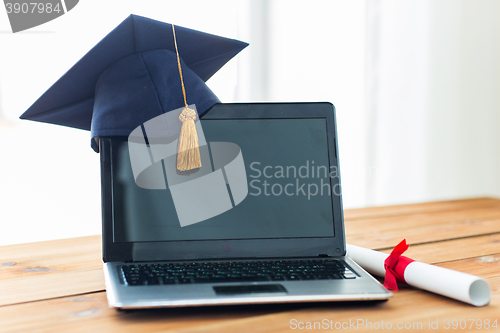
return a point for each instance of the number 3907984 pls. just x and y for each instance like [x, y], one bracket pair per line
[32, 8]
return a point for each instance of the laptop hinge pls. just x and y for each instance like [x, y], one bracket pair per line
[323, 255]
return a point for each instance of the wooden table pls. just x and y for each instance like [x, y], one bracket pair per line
[58, 286]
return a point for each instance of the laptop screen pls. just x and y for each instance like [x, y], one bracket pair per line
[277, 184]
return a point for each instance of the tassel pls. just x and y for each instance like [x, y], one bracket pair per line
[188, 151]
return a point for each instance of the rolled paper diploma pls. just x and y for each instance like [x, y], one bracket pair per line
[457, 285]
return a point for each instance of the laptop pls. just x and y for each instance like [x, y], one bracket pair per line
[260, 222]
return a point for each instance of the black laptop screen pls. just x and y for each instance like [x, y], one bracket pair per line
[261, 178]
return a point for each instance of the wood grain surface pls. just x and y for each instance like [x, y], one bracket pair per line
[58, 286]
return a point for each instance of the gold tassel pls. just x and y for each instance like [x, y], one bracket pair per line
[188, 151]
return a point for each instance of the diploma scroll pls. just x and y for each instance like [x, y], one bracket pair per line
[457, 285]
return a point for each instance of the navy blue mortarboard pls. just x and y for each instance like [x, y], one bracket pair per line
[132, 76]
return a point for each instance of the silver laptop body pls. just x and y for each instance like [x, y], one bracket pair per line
[268, 196]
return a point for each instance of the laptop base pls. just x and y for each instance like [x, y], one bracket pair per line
[362, 288]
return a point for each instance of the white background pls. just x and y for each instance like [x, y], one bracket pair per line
[416, 84]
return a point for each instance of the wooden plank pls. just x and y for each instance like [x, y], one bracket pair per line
[52, 247]
[485, 266]
[456, 249]
[89, 313]
[379, 225]
[50, 269]
[374, 238]
[37, 288]
[419, 208]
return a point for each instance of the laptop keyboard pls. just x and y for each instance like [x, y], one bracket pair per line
[236, 271]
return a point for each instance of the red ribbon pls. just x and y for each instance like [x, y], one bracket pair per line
[395, 266]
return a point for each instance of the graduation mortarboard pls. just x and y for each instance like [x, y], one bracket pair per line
[132, 76]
